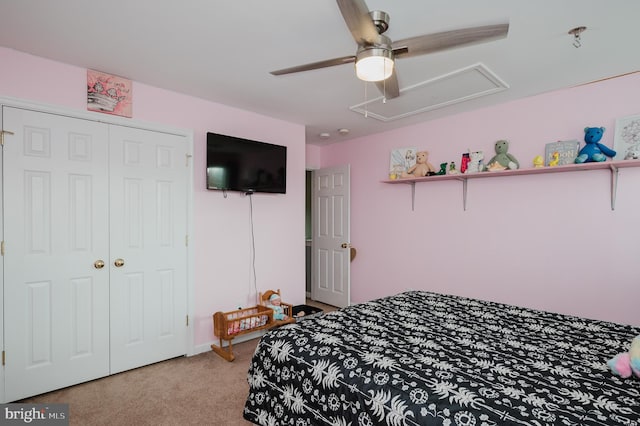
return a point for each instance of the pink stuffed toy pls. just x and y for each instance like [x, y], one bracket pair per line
[627, 363]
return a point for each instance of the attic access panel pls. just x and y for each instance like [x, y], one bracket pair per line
[458, 86]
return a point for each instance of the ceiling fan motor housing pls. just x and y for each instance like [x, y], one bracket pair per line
[380, 20]
[382, 42]
[373, 54]
[382, 53]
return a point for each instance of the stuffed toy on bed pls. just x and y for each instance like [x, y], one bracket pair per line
[627, 363]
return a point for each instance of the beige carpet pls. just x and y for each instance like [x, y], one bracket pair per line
[199, 390]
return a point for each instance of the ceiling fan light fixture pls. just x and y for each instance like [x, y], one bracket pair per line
[374, 64]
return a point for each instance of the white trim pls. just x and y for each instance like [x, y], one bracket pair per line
[94, 116]
[496, 84]
[2, 186]
[191, 291]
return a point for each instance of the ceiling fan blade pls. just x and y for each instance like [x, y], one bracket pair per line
[389, 87]
[356, 15]
[316, 65]
[436, 42]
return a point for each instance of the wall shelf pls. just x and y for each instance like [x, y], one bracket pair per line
[612, 166]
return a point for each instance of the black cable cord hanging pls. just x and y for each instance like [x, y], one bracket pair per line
[253, 243]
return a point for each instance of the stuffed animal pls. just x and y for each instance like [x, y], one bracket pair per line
[503, 159]
[476, 163]
[421, 168]
[594, 150]
[452, 169]
[538, 161]
[627, 363]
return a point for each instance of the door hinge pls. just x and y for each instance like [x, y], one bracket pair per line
[2, 248]
[187, 320]
[188, 156]
[2, 357]
[186, 241]
[2, 133]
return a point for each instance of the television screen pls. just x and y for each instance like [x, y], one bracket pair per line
[237, 164]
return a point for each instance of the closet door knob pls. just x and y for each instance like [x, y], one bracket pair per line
[98, 264]
[118, 263]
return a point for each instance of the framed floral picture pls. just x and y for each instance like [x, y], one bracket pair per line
[108, 93]
[626, 140]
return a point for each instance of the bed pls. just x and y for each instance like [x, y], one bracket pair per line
[422, 358]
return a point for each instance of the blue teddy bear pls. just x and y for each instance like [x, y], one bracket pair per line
[594, 150]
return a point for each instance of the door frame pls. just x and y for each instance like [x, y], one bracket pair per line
[126, 122]
[2, 386]
[348, 236]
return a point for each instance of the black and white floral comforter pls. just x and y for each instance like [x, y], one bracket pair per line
[422, 358]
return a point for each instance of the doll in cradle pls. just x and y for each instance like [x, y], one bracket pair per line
[278, 310]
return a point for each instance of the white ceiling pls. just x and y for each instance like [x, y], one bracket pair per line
[223, 51]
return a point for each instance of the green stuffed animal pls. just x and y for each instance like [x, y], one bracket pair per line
[503, 160]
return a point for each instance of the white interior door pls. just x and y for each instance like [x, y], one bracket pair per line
[56, 229]
[330, 241]
[149, 178]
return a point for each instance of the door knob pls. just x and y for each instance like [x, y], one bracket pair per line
[98, 264]
[345, 245]
[118, 262]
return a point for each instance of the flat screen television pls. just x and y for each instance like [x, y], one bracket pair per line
[237, 164]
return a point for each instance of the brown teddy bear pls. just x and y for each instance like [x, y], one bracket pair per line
[421, 168]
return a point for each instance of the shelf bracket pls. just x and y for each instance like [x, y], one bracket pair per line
[464, 194]
[413, 196]
[614, 185]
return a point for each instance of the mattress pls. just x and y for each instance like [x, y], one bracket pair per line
[422, 358]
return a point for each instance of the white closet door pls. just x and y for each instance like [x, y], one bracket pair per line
[56, 229]
[148, 213]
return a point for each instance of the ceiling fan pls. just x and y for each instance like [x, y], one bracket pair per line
[376, 53]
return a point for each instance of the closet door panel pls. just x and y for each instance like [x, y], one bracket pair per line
[148, 205]
[56, 229]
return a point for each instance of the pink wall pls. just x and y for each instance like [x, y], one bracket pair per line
[545, 241]
[223, 271]
[313, 157]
